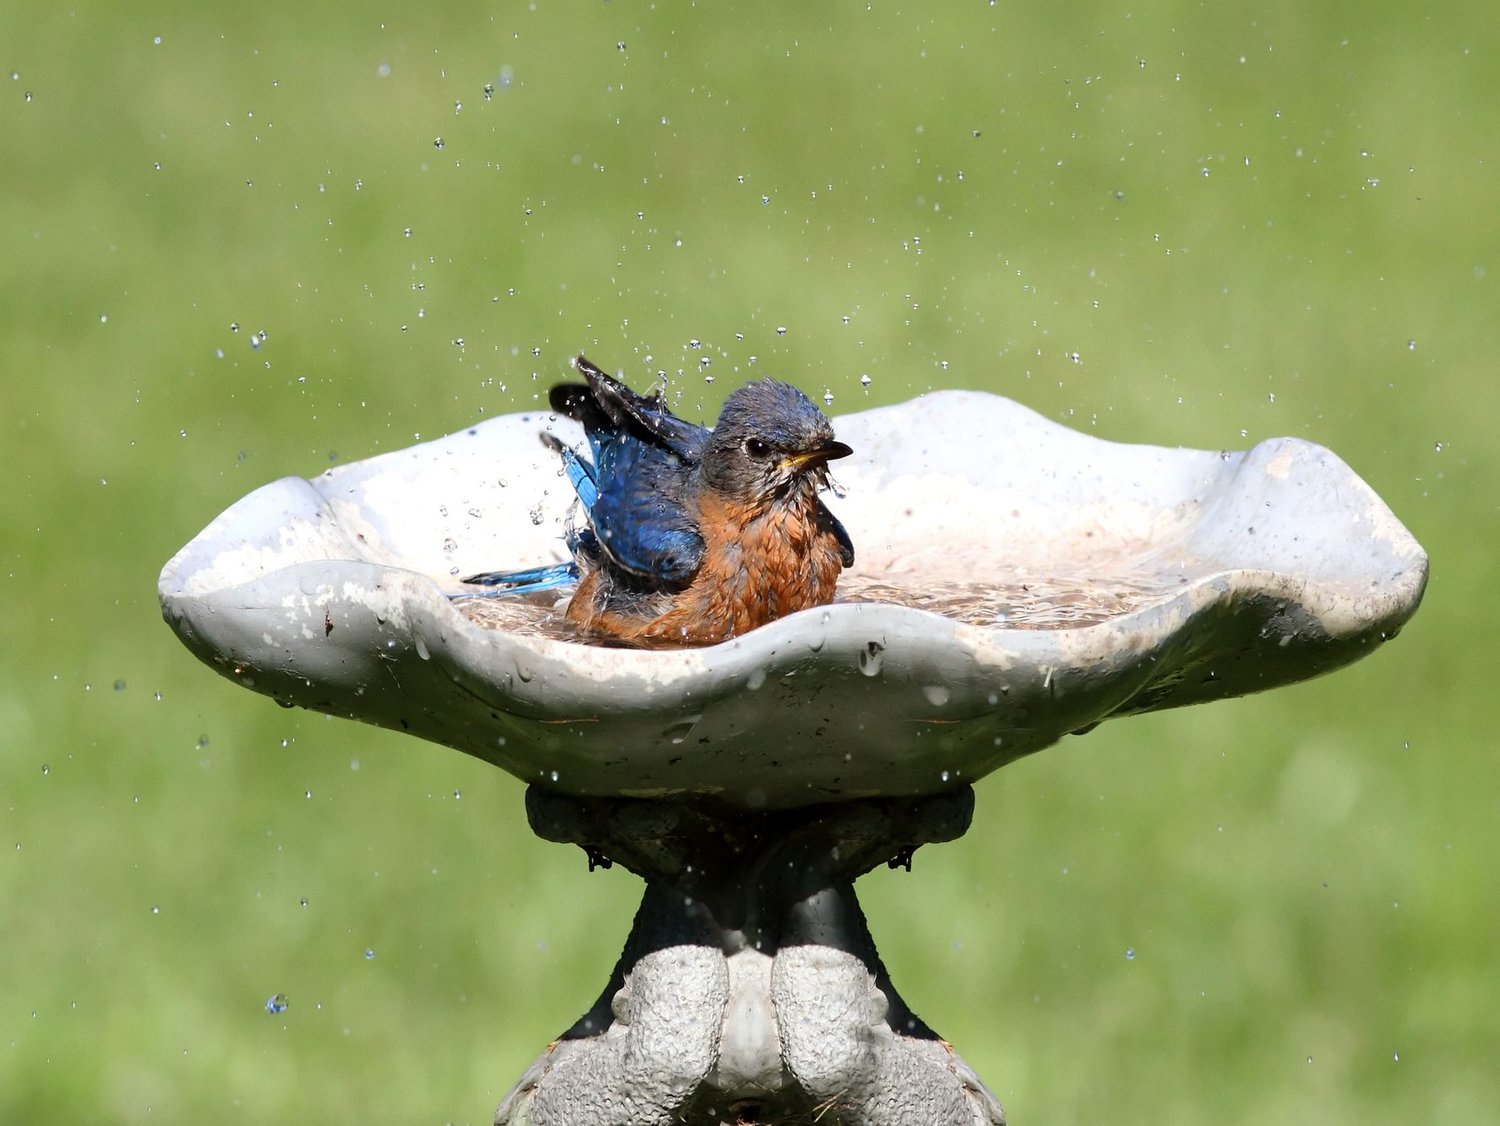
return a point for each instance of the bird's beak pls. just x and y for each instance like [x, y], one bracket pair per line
[828, 451]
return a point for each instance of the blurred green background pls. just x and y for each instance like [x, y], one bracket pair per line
[1200, 224]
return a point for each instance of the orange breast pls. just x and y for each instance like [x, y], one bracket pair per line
[757, 567]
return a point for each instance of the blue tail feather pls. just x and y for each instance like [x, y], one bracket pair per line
[533, 580]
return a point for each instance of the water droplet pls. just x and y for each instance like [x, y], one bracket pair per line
[1130, 953]
[871, 657]
[679, 730]
[422, 652]
[437, 142]
[1411, 345]
[781, 330]
[864, 381]
[46, 770]
[369, 953]
[202, 741]
[756, 680]
[937, 694]
[277, 1004]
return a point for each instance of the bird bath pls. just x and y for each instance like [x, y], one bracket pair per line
[997, 603]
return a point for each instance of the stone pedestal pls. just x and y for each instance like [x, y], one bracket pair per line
[749, 990]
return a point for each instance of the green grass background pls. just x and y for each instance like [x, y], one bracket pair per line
[1195, 224]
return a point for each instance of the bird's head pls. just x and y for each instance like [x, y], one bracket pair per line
[770, 442]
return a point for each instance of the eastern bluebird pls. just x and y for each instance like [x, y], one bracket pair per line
[692, 536]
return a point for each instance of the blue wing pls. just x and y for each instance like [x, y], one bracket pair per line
[644, 456]
[610, 411]
[636, 494]
[640, 517]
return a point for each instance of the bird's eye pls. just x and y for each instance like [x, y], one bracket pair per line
[756, 448]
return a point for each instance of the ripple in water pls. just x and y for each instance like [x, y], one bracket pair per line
[1030, 603]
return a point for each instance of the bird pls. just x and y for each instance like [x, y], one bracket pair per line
[691, 536]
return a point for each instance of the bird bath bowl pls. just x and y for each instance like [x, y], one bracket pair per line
[1014, 582]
